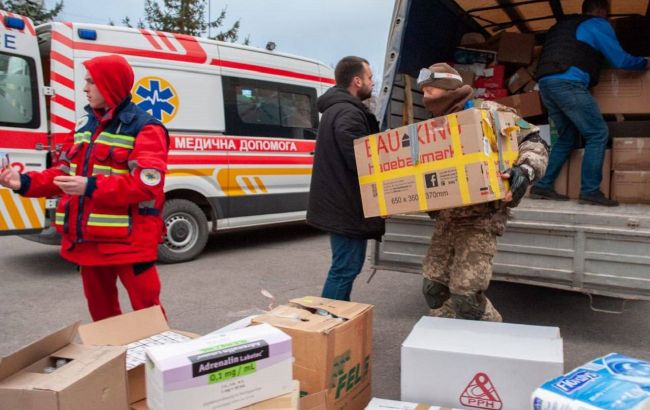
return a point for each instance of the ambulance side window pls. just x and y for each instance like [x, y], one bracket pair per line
[18, 92]
[267, 109]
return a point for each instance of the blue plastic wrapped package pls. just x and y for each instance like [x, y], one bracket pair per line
[615, 381]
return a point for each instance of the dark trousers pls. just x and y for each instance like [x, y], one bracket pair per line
[348, 256]
[574, 112]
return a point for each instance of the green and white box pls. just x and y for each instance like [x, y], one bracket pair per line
[221, 371]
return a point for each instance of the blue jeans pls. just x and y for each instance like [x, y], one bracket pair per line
[348, 256]
[574, 112]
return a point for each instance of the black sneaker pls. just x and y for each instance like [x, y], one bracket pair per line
[546, 193]
[596, 198]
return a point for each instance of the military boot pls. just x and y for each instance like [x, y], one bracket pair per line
[491, 314]
[435, 293]
[472, 307]
[446, 311]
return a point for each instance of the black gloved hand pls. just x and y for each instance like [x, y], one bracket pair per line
[519, 182]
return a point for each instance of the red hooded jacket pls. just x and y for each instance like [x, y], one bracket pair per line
[119, 218]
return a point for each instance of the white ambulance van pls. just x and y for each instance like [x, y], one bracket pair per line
[242, 122]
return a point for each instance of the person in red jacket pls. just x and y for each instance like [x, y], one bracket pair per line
[110, 180]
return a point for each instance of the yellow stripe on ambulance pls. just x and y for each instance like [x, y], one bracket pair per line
[20, 213]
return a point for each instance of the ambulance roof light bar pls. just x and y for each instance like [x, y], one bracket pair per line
[87, 34]
[14, 22]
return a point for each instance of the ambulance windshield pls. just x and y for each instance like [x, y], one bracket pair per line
[16, 90]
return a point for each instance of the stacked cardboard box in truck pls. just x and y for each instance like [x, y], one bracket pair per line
[630, 161]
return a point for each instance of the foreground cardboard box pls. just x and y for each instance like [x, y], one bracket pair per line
[225, 371]
[332, 353]
[527, 104]
[631, 187]
[623, 92]
[126, 329]
[631, 154]
[94, 378]
[289, 401]
[474, 364]
[575, 173]
[381, 404]
[614, 381]
[457, 163]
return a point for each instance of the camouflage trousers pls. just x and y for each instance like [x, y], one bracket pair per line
[460, 257]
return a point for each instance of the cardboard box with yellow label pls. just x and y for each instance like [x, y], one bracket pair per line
[444, 162]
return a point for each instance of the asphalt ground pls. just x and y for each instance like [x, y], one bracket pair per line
[41, 293]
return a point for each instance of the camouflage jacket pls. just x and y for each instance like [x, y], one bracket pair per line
[492, 216]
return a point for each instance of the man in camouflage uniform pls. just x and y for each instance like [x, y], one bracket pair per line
[458, 265]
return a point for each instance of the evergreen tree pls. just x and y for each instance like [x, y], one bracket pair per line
[186, 17]
[34, 9]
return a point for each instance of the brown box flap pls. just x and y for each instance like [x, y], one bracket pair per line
[316, 401]
[339, 308]
[291, 317]
[37, 350]
[124, 329]
[85, 361]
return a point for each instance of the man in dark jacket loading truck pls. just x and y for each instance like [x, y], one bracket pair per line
[569, 65]
[334, 196]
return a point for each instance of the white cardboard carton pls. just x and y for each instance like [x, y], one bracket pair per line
[473, 364]
[224, 371]
[381, 404]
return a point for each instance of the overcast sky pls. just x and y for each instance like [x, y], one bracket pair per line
[324, 30]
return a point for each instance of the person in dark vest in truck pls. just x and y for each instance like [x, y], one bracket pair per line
[573, 53]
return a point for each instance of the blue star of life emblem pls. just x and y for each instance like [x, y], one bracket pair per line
[155, 100]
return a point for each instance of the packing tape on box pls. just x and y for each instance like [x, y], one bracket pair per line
[458, 161]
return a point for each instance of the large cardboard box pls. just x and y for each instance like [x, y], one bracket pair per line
[221, 371]
[623, 92]
[332, 348]
[527, 104]
[93, 377]
[631, 187]
[631, 154]
[443, 162]
[289, 401]
[575, 173]
[475, 364]
[381, 404]
[514, 48]
[134, 330]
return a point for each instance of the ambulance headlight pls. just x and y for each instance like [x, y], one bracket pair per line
[14, 22]
[87, 34]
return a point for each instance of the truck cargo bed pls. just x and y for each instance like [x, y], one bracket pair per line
[590, 249]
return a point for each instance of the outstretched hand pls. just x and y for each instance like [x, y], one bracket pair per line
[10, 178]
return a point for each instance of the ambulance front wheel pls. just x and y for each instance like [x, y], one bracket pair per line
[187, 231]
